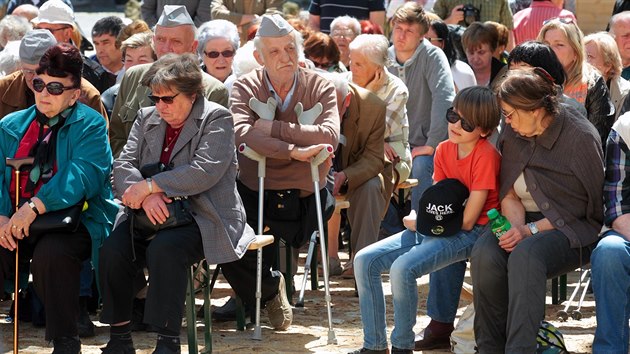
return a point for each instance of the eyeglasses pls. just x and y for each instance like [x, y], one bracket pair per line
[53, 30]
[565, 20]
[508, 115]
[320, 65]
[28, 72]
[214, 54]
[431, 39]
[165, 99]
[343, 34]
[452, 117]
[54, 88]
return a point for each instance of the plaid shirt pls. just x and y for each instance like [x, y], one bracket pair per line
[490, 10]
[617, 183]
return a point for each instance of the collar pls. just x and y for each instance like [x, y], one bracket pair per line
[549, 137]
[284, 104]
[392, 54]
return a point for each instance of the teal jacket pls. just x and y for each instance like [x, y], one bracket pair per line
[84, 165]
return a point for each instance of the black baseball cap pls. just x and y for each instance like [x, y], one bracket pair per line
[441, 208]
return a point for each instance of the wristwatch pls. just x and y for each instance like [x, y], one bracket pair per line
[532, 228]
[150, 185]
[33, 206]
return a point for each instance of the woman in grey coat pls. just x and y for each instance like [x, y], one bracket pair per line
[194, 139]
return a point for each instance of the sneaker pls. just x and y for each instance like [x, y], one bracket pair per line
[279, 310]
[119, 346]
[369, 351]
[66, 345]
[225, 313]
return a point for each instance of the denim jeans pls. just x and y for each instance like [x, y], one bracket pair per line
[610, 266]
[422, 170]
[407, 255]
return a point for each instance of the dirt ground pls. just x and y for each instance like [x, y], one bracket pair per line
[309, 331]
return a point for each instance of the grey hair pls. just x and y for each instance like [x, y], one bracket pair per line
[298, 40]
[349, 21]
[217, 29]
[244, 60]
[624, 15]
[13, 28]
[339, 80]
[372, 46]
[9, 62]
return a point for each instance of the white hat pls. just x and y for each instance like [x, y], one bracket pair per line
[34, 44]
[55, 12]
[175, 15]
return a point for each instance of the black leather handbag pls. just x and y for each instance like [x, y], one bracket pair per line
[63, 220]
[178, 211]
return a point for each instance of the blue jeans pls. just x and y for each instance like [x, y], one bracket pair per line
[610, 266]
[422, 170]
[407, 255]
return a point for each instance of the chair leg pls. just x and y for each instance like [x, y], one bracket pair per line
[190, 314]
[206, 310]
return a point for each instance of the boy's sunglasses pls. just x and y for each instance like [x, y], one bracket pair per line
[214, 54]
[165, 99]
[452, 117]
[54, 88]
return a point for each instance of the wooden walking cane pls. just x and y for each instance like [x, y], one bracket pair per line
[17, 164]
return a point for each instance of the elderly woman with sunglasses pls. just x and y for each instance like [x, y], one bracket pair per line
[193, 139]
[553, 200]
[583, 82]
[72, 163]
[218, 42]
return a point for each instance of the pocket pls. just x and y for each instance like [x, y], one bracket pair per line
[283, 205]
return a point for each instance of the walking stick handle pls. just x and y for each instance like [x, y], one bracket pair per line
[250, 153]
[18, 163]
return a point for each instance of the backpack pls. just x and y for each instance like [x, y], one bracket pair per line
[549, 340]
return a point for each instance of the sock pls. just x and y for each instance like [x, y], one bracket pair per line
[122, 333]
[169, 339]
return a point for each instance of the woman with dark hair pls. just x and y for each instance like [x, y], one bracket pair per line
[189, 143]
[320, 49]
[72, 164]
[438, 35]
[552, 197]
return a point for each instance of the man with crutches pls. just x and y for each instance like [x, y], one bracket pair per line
[288, 115]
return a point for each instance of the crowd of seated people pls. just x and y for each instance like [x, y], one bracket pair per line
[142, 138]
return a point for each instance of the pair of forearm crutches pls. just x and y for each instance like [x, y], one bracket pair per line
[17, 165]
[315, 162]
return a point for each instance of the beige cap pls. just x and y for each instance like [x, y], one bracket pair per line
[273, 26]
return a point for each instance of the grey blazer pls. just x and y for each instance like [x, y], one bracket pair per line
[203, 167]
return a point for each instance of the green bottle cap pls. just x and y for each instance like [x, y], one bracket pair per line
[493, 214]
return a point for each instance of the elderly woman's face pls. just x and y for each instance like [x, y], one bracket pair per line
[524, 123]
[63, 94]
[560, 45]
[343, 35]
[480, 57]
[595, 58]
[218, 57]
[172, 106]
[363, 69]
[140, 55]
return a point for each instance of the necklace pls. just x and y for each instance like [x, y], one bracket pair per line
[172, 140]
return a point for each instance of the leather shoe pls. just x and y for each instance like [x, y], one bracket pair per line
[369, 351]
[401, 351]
[432, 340]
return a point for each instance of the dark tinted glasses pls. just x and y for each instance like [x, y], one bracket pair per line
[453, 117]
[165, 99]
[54, 88]
[214, 54]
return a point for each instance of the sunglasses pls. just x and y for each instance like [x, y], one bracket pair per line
[432, 39]
[54, 88]
[565, 20]
[214, 54]
[452, 117]
[165, 99]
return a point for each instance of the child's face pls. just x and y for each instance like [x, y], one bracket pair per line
[458, 135]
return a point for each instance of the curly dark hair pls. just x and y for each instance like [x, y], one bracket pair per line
[62, 60]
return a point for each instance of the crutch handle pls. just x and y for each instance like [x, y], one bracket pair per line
[250, 153]
[322, 155]
[318, 159]
[18, 163]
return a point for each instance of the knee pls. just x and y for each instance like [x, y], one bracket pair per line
[363, 260]
[610, 253]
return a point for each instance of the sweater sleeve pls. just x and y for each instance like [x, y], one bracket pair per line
[442, 94]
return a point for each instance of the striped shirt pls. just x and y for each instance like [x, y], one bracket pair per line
[528, 22]
[328, 10]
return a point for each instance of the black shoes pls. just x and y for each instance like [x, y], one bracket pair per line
[66, 345]
[369, 351]
[401, 351]
[85, 326]
[226, 312]
[437, 335]
[118, 346]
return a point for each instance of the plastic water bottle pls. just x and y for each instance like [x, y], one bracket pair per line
[499, 223]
